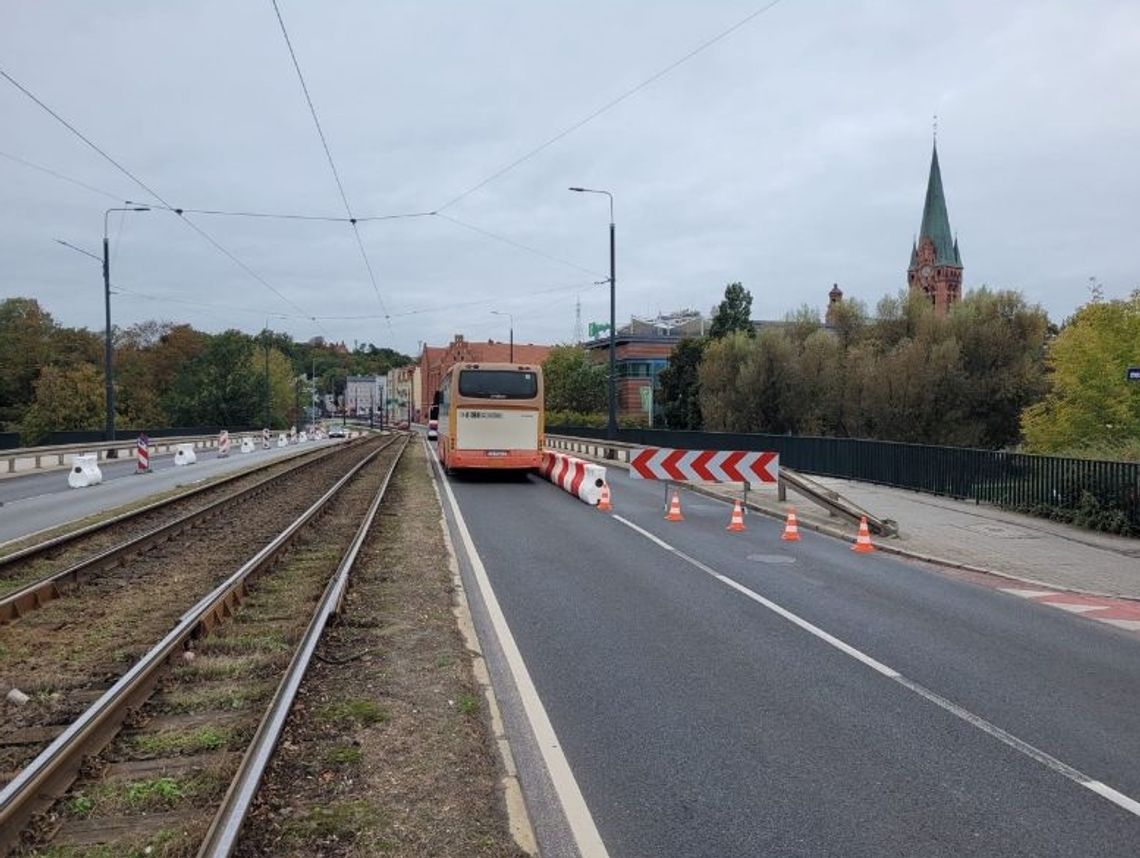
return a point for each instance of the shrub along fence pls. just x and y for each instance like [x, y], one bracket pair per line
[1101, 495]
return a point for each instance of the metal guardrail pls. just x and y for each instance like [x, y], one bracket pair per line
[37, 784]
[61, 452]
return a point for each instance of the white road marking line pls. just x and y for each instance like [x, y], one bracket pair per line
[578, 816]
[1047, 760]
[1076, 609]
[1130, 625]
[1027, 594]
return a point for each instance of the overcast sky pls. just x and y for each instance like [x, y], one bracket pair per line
[789, 155]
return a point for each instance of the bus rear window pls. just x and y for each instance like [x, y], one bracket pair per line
[498, 384]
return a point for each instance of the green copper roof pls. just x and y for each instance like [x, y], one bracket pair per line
[935, 220]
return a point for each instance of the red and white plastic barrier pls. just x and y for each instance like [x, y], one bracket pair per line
[223, 444]
[580, 478]
[142, 455]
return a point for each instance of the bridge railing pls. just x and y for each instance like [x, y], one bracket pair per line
[58, 455]
[1104, 495]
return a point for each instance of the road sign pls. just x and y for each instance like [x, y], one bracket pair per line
[1133, 373]
[709, 466]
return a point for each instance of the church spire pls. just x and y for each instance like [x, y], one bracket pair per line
[935, 220]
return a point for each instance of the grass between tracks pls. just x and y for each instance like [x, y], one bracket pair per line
[387, 751]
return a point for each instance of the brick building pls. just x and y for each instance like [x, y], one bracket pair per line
[935, 263]
[435, 361]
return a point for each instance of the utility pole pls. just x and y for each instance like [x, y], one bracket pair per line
[108, 367]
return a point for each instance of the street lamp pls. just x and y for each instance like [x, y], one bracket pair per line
[107, 370]
[611, 424]
[512, 319]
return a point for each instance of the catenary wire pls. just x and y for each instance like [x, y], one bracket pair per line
[487, 233]
[212, 241]
[332, 164]
[609, 105]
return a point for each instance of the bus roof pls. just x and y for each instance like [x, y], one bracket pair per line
[517, 367]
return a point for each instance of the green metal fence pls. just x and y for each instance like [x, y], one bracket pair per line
[1100, 494]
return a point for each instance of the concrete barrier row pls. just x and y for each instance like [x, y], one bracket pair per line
[580, 478]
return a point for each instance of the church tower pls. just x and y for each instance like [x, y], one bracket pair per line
[935, 265]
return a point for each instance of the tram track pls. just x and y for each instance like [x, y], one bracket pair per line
[35, 574]
[199, 692]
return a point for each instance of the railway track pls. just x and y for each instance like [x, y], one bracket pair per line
[39, 573]
[184, 666]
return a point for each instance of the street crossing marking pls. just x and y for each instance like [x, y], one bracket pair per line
[1118, 798]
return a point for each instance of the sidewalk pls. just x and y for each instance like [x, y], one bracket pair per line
[963, 535]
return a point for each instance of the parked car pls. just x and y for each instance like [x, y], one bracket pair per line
[433, 430]
[404, 425]
[337, 432]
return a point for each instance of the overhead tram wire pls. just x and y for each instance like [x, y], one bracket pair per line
[332, 164]
[210, 239]
[513, 243]
[609, 105]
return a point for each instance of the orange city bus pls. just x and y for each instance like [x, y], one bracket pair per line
[490, 416]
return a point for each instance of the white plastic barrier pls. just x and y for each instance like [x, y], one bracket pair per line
[185, 455]
[85, 471]
[302, 437]
[282, 440]
[247, 445]
[580, 478]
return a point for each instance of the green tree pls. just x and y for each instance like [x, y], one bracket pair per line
[65, 398]
[1091, 403]
[726, 405]
[572, 382]
[680, 385]
[217, 388]
[734, 313]
[25, 348]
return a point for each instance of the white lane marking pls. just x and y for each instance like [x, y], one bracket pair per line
[1130, 625]
[1027, 594]
[1076, 609]
[1047, 760]
[578, 816]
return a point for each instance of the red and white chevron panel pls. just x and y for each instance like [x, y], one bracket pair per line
[576, 476]
[704, 466]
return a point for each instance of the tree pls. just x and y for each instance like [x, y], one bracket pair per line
[734, 313]
[71, 398]
[25, 348]
[1090, 403]
[681, 386]
[217, 388]
[573, 382]
[725, 404]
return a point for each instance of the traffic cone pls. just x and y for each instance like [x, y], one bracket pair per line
[863, 540]
[604, 502]
[675, 508]
[736, 524]
[791, 527]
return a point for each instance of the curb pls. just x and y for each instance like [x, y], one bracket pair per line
[838, 533]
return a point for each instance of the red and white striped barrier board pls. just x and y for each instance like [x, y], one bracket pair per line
[708, 466]
[576, 476]
[223, 444]
[142, 455]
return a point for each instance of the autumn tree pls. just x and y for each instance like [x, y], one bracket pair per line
[65, 398]
[1091, 403]
[25, 348]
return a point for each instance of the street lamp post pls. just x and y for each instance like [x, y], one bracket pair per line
[611, 424]
[107, 352]
[512, 320]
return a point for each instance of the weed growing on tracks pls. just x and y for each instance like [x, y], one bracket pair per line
[202, 739]
[223, 667]
[355, 711]
[468, 704]
[186, 700]
[342, 821]
[342, 755]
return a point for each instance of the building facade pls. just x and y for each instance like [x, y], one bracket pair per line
[401, 403]
[435, 361]
[935, 269]
[364, 394]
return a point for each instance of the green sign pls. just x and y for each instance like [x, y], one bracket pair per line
[596, 328]
[646, 398]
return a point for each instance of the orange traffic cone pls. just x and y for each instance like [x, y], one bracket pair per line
[863, 540]
[604, 502]
[737, 523]
[675, 508]
[791, 527]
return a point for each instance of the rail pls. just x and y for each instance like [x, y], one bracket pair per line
[37, 593]
[37, 785]
[222, 837]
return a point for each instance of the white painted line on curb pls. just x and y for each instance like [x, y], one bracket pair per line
[578, 816]
[1047, 760]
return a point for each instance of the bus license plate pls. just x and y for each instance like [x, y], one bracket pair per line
[497, 453]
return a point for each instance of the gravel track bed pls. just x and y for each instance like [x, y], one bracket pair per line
[24, 572]
[92, 635]
[172, 765]
[388, 750]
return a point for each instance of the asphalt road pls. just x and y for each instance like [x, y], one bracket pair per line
[698, 721]
[36, 502]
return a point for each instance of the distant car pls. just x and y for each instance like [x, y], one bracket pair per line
[403, 425]
[337, 432]
[433, 430]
